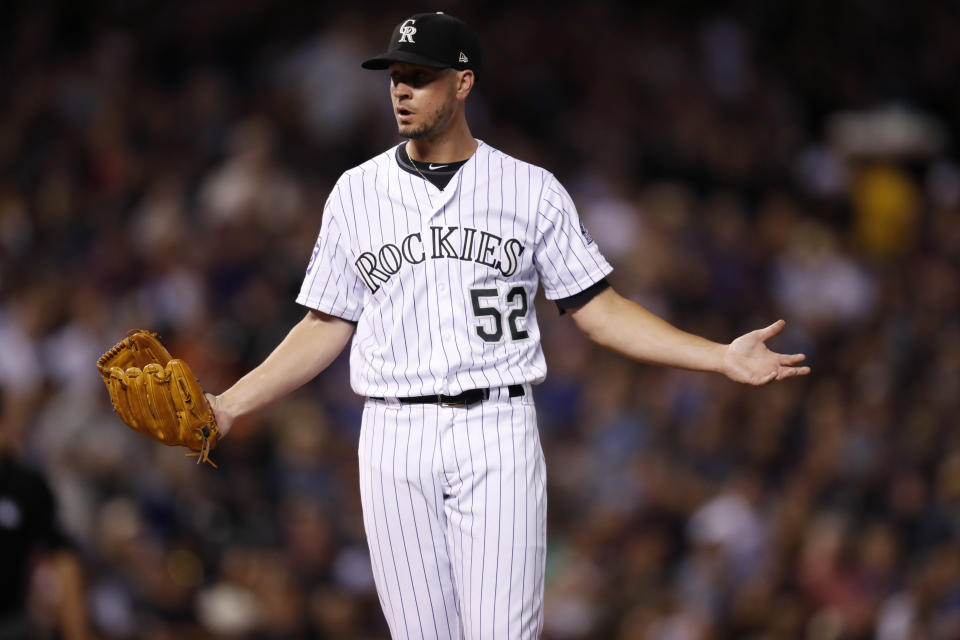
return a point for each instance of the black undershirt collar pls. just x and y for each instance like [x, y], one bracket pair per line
[438, 174]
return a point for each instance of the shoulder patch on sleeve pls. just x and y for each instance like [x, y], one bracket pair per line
[585, 233]
[313, 257]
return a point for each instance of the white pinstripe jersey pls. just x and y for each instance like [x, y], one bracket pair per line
[441, 282]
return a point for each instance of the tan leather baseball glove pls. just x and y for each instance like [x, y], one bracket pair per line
[158, 395]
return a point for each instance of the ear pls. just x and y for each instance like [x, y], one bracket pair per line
[465, 80]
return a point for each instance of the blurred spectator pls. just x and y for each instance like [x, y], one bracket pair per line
[248, 188]
[42, 591]
[816, 284]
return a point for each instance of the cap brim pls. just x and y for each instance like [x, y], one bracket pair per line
[385, 60]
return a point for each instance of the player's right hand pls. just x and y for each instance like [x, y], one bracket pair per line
[224, 418]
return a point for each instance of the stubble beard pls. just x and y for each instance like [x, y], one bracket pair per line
[415, 132]
[436, 125]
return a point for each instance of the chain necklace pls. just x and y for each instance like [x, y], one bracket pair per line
[417, 169]
[414, 163]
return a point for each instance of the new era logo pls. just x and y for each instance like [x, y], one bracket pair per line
[463, 57]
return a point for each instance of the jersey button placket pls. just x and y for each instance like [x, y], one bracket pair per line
[445, 356]
[447, 352]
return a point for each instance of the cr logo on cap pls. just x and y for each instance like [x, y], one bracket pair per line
[407, 30]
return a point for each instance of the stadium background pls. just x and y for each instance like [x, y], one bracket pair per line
[164, 165]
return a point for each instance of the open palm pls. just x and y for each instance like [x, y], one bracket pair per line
[748, 360]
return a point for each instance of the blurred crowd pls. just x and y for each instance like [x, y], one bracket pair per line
[164, 165]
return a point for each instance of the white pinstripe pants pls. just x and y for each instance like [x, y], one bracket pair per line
[454, 507]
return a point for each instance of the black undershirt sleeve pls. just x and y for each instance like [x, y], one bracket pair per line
[582, 298]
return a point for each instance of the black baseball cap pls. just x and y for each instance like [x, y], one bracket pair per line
[431, 40]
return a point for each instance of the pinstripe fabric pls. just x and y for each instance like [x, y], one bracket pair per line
[400, 257]
[454, 504]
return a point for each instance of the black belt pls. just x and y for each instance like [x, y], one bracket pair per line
[465, 399]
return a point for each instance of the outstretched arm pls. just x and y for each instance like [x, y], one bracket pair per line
[309, 348]
[624, 326]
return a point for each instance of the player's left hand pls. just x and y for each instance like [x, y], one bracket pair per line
[747, 359]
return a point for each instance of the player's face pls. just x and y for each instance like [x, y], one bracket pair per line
[424, 99]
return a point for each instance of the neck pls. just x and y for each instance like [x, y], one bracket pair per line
[455, 144]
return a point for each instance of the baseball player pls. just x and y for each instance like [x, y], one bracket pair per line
[429, 256]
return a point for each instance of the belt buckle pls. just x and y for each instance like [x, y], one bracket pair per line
[465, 398]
